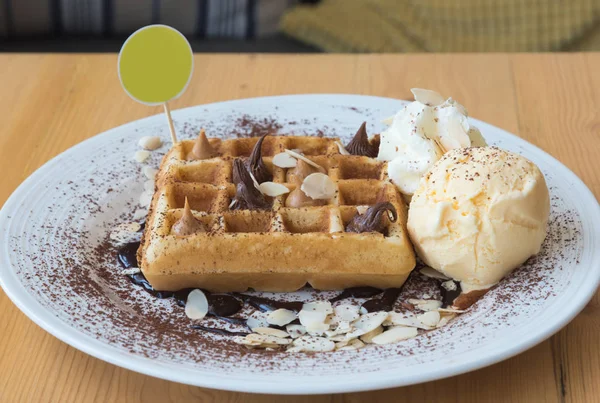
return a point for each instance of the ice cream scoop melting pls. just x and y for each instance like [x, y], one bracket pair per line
[372, 220]
[187, 224]
[256, 165]
[247, 196]
[360, 145]
[202, 149]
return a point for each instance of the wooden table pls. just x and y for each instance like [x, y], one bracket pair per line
[50, 102]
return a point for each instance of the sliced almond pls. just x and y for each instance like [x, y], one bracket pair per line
[245, 341]
[141, 155]
[149, 185]
[318, 186]
[317, 329]
[450, 285]
[388, 121]
[313, 320]
[445, 319]
[295, 331]
[395, 334]
[430, 318]
[432, 273]
[321, 306]
[303, 158]
[273, 189]
[146, 198]
[284, 160]
[427, 97]
[398, 319]
[257, 319]
[309, 343]
[368, 337]
[347, 312]
[269, 331]
[281, 317]
[341, 148]
[426, 304]
[362, 209]
[149, 172]
[353, 345]
[343, 327]
[366, 323]
[150, 142]
[130, 271]
[451, 310]
[196, 306]
[265, 339]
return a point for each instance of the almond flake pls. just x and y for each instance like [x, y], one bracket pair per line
[342, 328]
[366, 323]
[273, 189]
[257, 319]
[318, 186]
[341, 148]
[269, 340]
[321, 306]
[395, 334]
[130, 271]
[451, 310]
[308, 343]
[244, 341]
[432, 273]
[317, 329]
[340, 344]
[196, 306]
[146, 198]
[368, 337]
[353, 345]
[426, 304]
[398, 319]
[269, 331]
[150, 142]
[430, 318]
[284, 160]
[149, 185]
[312, 319]
[281, 317]
[295, 331]
[427, 97]
[445, 319]
[347, 312]
[149, 172]
[388, 121]
[303, 158]
[140, 213]
[141, 155]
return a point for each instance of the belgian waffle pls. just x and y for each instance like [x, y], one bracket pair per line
[281, 248]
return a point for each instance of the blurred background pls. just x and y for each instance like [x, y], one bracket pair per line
[307, 25]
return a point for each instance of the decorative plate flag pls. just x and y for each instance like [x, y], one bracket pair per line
[155, 66]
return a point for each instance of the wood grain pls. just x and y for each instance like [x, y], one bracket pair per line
[50, 102]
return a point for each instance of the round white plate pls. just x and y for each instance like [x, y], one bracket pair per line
[54, 265]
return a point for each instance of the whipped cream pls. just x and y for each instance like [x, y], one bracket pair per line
[421, 133]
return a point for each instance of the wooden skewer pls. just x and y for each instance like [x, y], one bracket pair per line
[170, 120]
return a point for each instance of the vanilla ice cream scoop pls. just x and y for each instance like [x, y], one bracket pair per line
[478, 214]
[420, 133]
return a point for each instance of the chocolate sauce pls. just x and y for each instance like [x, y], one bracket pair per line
[357, 292]
[127, 255]
[216, 330]
[448, 297]
[222, 305]
[267, 304]
[385, 303]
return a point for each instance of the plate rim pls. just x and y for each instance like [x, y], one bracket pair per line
[18, 294]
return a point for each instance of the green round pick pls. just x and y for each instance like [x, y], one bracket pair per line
[155, 64]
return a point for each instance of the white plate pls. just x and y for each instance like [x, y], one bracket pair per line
[52, 222]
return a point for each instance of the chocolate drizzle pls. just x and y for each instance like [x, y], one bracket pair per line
[357, 292]
[359, 145]
[448, 296]
[256, 165]
[385, 303]
[372, 220]
[267, 304]
[247, 196]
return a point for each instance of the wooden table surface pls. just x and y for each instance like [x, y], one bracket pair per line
[48, 103]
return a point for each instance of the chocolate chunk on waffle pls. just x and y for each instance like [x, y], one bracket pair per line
[278, 248]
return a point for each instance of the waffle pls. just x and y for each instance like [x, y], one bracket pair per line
[281, 248]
